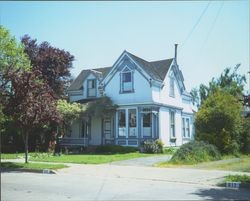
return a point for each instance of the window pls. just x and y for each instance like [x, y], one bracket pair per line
[132, 122]
[147, 124]
[172, 124]
[85, 129]
[122, 122]
[91, 88]
[171, 87]
[126, 80]
[185, 127]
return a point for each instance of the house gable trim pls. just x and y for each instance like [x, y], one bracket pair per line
[114, 69]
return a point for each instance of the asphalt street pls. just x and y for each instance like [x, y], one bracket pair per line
[110, 182]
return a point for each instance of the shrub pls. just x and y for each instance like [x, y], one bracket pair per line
[218, 122]
[245, 136]
[170, 150]
[195, 152]
[150, 146]
[115, 149]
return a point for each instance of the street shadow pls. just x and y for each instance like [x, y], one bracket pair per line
[224, 194]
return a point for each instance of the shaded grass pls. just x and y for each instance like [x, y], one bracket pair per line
[89, 158]
[241, 164]
[32, 166]
[12, 155]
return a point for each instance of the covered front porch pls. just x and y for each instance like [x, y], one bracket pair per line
[129, 126]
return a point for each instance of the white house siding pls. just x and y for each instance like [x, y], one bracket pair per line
[96, 131]
[164, 124]
[142, 91]
[162, 96]
[164, 133]
[84, 90]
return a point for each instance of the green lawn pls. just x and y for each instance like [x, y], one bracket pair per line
[78, 158]
[11, 156]
[90, 158]
[33, 166]
[241, 164]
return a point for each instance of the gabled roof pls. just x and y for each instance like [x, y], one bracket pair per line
[156, 69]
[77, 84]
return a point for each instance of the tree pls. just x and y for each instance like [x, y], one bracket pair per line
[69, 112]
[54, 63]
[229, 81]
[218, 121]
[101, 107]
[12, 58]
[31, 103]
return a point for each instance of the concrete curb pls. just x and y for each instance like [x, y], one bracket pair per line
[44, 171]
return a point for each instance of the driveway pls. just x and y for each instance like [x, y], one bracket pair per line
[144, 161]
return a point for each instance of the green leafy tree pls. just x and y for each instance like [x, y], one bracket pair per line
[229, 81]
[218, 121]
[101, 107]
[12, 58]
[69, 112]
[245, 136]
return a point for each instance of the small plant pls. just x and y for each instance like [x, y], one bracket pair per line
[150, 146]
[169, 150]
[195, 152]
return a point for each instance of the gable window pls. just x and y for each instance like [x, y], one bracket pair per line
[171, 87]
[172, 124]
[126, 80]
[91, 88]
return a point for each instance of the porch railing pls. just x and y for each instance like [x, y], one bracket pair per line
[74, 142]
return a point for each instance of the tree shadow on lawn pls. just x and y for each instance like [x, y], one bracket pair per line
[224, 194]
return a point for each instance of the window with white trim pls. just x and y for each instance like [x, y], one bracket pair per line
[91, 88]
[172, 124]
[122, 123]
[126, 80]
[186, 127]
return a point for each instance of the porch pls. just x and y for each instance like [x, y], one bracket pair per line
[128, 127]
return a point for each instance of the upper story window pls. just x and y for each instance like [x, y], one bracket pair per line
[91, 88]
[126, 80]
[171, 87]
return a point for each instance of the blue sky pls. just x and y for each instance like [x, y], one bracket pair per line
[96, 33]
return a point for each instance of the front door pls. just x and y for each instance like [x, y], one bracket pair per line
[108, 136]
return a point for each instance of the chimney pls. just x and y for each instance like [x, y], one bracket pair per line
[175, 52]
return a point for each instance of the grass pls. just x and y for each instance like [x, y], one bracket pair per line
[244, 179]
[32, 166]
[79, 158]
[90, 158]
[241, 164]
[12, 155]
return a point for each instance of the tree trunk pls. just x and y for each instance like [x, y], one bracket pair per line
[26, 142]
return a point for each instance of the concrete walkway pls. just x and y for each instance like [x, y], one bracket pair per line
[144, 161]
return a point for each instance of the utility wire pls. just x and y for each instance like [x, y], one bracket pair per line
[211, 27]
[197, 22]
